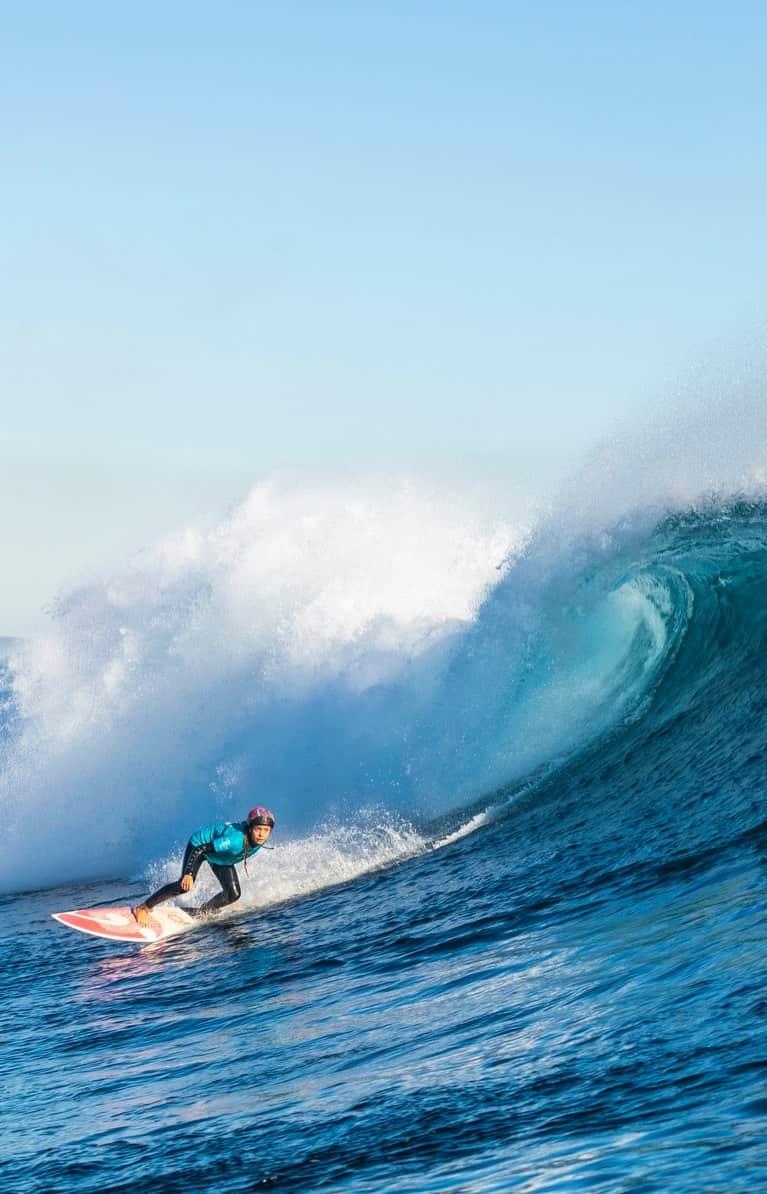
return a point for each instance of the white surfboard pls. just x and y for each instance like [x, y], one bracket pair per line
[119, 924]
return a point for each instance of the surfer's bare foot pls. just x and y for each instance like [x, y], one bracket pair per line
[141, 912]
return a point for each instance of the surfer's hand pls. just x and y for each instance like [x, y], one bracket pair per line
[187, 882]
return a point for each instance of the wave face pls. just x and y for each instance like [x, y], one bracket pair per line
[365, 661]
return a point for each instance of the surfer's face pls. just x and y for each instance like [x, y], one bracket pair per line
[258, 834]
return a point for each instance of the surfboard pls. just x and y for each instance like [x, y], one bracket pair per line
[119, 924]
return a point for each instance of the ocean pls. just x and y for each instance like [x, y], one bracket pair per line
[511, 933]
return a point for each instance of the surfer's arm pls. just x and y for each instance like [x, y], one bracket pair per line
[225, 844]
[193, 858]
[202, 843]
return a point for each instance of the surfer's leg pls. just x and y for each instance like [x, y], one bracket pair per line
[170, 890]
[164, 893]
[230, 888]
[141, 911]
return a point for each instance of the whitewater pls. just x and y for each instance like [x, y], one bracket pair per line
[511, 933]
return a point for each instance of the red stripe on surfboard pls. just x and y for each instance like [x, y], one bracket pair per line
[102, 923]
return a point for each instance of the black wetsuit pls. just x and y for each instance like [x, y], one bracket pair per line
[194, 856]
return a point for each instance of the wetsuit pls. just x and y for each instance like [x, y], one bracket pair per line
[222, 846]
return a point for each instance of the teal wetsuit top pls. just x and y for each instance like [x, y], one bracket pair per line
[223, 844]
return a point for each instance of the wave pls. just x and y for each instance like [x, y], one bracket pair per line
[334, 652]
[270, 656]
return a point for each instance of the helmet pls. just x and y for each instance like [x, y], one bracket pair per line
[260, 816]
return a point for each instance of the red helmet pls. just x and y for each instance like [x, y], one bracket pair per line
[260, 816]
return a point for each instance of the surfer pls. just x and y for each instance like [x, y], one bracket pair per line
[221, 845]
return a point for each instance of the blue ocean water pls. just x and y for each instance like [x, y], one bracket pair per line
[512, 933]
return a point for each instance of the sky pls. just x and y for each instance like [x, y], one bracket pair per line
[403, 237]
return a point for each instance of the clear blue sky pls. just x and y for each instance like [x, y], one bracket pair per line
[410, 236]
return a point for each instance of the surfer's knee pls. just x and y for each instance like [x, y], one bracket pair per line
[230, 886]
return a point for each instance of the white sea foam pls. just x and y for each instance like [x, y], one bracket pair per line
[337, 854]
[331, 648]
[275, 656]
